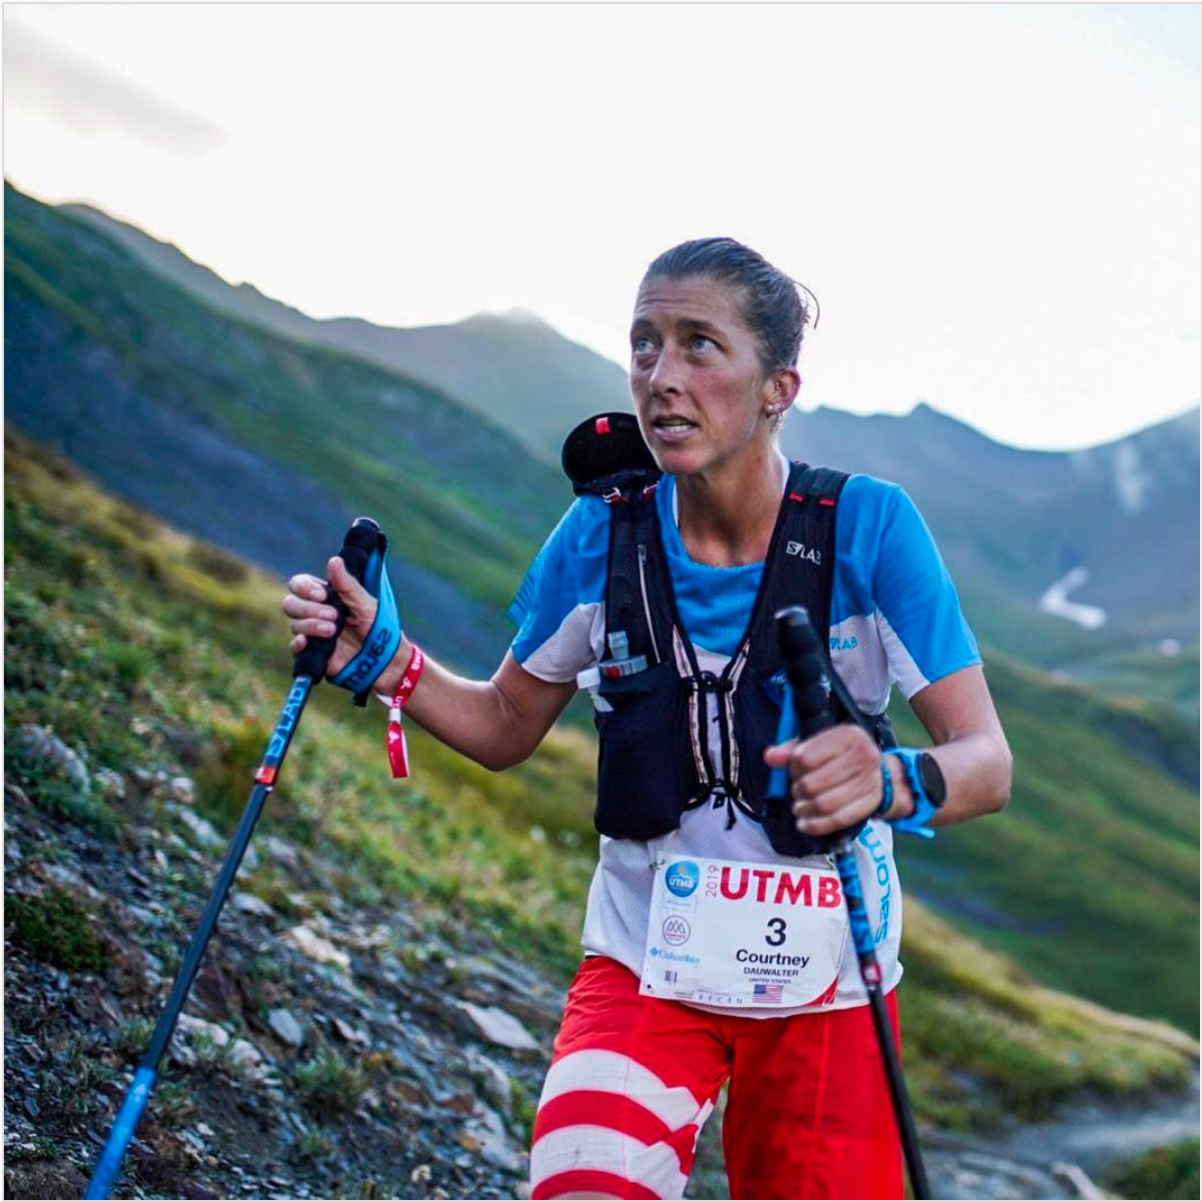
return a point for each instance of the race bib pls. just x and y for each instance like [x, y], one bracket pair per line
[726, 933]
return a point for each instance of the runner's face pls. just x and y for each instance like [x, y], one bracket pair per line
[695, 374]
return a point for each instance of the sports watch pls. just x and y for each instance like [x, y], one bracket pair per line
[925, 778]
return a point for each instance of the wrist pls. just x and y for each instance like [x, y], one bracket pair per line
[391, 676]
[923, 784]
[903, 804]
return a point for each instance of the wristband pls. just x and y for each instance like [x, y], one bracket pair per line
[925, 808]
[398, 749]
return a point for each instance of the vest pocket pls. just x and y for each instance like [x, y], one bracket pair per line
[643, 780]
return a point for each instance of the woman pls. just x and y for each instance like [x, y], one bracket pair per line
[640, 1057]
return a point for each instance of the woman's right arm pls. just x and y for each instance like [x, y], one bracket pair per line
[497, 722]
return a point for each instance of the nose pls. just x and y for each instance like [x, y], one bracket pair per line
[667, 377]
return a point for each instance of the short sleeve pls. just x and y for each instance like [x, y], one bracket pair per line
[559, 608]
[923, 630]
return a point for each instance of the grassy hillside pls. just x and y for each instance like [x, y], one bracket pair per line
[513, 367]
[258, 441]
[1090, 877]
[144, 648]
[217, 409]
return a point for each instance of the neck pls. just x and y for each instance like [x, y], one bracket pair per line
[726, 516]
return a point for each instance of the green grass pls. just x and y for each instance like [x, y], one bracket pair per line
[54, 928]
[409, 438]
[1089, 878]
[1170, 1172]
[476, 855]
[327, 1083]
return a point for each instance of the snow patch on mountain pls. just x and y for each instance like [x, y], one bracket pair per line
[1131, 482]
[1055, 601]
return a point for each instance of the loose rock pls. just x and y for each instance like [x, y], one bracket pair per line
[499, 1027]
[52, 755]
[316, 948]
[286, 1027]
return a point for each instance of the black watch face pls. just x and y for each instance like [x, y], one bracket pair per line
[931, 776]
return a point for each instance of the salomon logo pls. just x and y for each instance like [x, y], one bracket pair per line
[682, 878]
[803, 552]
[364, 673]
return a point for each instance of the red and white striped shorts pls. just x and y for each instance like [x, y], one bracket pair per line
[634, 1078]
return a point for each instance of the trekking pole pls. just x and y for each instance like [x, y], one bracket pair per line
[309, 669]
[806, 669]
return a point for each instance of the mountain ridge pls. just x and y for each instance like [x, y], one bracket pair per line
[1011, 522]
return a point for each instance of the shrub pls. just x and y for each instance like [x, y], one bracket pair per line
[54, 929]
[218, 564]
[1168, 1172]
[327, 1082]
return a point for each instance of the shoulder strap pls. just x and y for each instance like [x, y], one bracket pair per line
[801, 565]
[637, 602]
[802, 568]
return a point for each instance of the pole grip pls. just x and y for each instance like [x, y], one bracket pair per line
[806, 669]
[360, 541]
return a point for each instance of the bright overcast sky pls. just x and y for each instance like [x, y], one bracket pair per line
[997, 206]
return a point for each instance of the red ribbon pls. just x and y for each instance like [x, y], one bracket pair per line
[398, 749]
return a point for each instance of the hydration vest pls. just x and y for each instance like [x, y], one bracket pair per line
[654, 759]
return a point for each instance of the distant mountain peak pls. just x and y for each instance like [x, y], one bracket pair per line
[516, 316]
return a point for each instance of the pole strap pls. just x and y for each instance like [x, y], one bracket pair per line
[383, 638]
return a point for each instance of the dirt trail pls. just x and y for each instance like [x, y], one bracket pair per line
[1064, 1156]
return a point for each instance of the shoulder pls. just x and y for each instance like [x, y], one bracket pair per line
[584, 524]
[865, 496]
[867, 508]
[570, 567]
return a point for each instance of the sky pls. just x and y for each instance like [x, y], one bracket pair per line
[997, 206]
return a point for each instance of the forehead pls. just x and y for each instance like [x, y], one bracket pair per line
[698, 299]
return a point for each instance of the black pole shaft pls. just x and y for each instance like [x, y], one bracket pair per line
[897, 1091]
[124, 1126]
[870, 973]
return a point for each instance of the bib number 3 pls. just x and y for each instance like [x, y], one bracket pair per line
[733, 934]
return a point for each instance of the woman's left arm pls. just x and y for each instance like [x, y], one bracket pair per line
[969, 746]
[836, 775]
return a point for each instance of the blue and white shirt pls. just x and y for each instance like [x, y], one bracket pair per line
[895, 619]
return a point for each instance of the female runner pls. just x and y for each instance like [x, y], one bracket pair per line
[772, 1002]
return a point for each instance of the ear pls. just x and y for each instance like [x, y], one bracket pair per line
[780, 391]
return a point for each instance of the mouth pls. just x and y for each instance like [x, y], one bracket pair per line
[672, 429]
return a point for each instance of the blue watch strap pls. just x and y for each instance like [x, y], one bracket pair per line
[886, 792]
[924, 808]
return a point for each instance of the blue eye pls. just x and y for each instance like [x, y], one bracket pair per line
[642, 345]
[699, 342]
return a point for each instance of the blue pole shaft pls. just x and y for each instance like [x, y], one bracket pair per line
[134, 1103]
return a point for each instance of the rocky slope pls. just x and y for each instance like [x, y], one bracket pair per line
[327, 1049]
[376, 1011]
